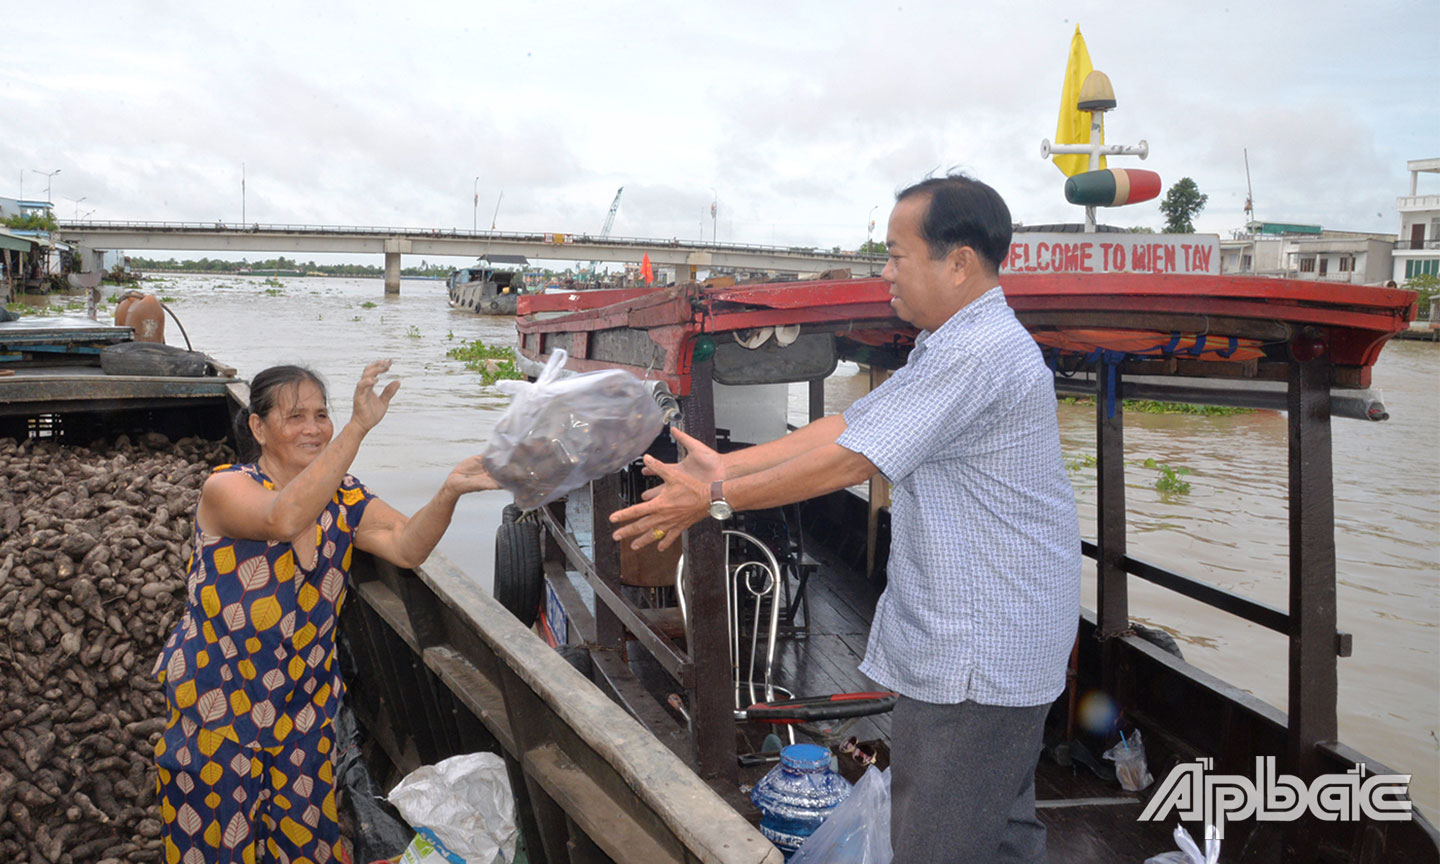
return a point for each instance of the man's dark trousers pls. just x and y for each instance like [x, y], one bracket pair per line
[963, 783]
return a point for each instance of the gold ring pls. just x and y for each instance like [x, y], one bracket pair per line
[659, 533]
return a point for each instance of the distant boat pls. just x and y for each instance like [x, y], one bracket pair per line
[486, 288]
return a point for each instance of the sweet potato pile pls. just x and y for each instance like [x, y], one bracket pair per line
[93, 547]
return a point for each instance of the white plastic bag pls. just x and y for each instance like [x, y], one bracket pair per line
[462, 809]
[1129, 759]
[560, 433]
[858, 830]
[1189, 852]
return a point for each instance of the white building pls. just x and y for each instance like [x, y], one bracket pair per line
[1418, 249]
[1293, 251]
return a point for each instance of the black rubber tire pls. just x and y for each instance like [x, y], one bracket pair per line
[151, 358]
[519, 572]
[511, 513]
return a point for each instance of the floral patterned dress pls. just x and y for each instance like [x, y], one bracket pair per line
[250, 678]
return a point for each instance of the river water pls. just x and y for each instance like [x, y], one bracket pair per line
[1230, 530]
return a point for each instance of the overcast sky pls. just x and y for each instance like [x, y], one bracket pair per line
[801, 116]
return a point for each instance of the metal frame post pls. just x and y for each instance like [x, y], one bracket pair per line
[1112, 596]
[712, 719]
[1313, 674]
[604, 500]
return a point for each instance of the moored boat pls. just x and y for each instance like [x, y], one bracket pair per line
[490, 287]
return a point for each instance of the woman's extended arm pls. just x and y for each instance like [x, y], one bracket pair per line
[408, 541]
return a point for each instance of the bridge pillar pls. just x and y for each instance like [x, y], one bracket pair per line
[393, 248]
[693, 262]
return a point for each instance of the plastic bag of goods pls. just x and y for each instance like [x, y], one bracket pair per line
[857, 831]
[560, 433]
[1189, 852]
[1129, 759]
[462, 810]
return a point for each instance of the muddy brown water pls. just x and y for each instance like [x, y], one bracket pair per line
[1230, 529]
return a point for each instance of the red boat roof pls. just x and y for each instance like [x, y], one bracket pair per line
[1243, 325]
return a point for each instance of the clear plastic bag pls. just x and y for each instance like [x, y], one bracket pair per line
[1129, 759]
[461, 808]
[560, 433]
[1190, 852]
[858, 831]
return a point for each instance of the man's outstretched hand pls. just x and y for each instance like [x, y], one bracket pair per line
[681, 501]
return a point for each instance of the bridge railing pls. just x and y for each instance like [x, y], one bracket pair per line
[556, 239]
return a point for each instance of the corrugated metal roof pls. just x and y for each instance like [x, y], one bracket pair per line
[17, 244]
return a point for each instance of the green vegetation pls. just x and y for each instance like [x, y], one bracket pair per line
[412, 331]
[1169, 482]
[274, 292]
[207, 265]
[368, 304]
[273, 282]
[166, 298]
[1147, 406]
[873, 247]
[492, 362]
[1427, 285]
[1182, 203]
[31, 222]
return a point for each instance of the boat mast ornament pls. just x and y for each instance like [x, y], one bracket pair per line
[1097, 186]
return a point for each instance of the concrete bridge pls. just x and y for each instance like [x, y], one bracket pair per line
[680, 256]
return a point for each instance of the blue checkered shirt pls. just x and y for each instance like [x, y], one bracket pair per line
[984, 572]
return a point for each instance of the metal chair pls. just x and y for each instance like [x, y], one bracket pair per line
[759, 576]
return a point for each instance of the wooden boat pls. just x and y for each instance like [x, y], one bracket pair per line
[441, 670]
[486, 289]
[52, 385]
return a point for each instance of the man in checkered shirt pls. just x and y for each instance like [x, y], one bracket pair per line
[976, 623]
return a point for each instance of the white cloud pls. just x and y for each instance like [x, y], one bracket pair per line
[802, 117]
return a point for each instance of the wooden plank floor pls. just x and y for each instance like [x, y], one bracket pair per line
[1089, 819]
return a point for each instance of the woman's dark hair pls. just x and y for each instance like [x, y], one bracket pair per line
[265, 387]
[963, 212]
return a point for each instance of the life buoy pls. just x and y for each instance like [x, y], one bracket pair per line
[519, 571]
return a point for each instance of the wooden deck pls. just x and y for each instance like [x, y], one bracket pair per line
[1089, 819]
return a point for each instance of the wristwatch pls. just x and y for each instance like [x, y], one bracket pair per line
[719, 507]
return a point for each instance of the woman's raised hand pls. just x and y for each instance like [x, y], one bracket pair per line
[370, 406]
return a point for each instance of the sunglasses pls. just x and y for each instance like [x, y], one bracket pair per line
[861, 753]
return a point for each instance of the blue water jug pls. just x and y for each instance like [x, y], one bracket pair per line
[797, 795]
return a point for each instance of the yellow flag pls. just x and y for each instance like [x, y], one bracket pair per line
[1074, 124]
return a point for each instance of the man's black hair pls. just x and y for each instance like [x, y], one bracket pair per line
[962, 211]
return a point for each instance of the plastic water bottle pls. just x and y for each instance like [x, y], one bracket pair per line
[797, 795]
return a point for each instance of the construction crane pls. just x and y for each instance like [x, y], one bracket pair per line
[605, 232]
[610, 217]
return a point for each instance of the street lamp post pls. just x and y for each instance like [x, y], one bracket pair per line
[714, 209]
[77, 207]
[49, 176]
[869, 235]
[475, 213]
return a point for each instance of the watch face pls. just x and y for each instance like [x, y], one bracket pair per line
[721, 510]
